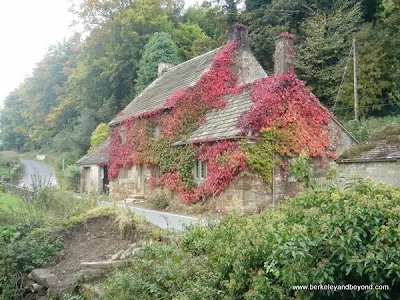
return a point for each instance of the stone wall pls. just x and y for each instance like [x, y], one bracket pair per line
[94, 181]
[123, 187]
[21, 192]
[385, 171]
[246, 193]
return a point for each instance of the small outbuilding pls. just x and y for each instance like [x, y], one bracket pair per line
[94, 171]
[379, 161]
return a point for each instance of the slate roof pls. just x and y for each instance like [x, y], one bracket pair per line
[222, 123]
[177, 78]
[98, 155]
[383, 151]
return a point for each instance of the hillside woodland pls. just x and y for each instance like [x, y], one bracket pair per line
[86, 80]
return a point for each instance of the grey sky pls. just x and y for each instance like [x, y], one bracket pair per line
[27, 29]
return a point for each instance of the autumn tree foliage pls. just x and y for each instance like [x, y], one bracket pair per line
[83, 82]
[99, 135]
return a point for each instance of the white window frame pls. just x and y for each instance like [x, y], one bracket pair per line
[122, 134]
[157, 131]
[200, 170]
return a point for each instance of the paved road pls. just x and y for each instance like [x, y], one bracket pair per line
[163, 220]
[37, 173]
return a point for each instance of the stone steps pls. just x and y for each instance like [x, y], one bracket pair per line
[138, 198]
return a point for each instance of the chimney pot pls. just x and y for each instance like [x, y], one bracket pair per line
[284, 53]
[164, 68]
[240, 34]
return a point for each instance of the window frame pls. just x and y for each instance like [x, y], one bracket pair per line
[200, 170]
[122, 134]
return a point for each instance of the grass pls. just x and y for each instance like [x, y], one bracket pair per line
[371, 131]
[373, 128]
[9, 202]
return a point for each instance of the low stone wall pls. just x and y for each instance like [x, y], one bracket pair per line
[385, 171]
[21, 192]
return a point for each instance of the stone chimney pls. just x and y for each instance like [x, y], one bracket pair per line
[284, 53]
[240, 34]
[164, 68]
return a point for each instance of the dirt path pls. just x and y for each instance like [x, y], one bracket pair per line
[95, 240]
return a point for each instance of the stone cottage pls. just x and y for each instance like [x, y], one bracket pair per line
[93, 167]
[187, 133]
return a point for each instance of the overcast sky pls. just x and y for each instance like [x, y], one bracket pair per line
[27, 29]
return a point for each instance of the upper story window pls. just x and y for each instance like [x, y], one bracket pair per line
[122, 134]
[156, 172]
[200, 170]
[156, 131]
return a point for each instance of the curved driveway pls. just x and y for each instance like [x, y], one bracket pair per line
[37, 173]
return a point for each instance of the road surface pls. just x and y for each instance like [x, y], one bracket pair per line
[37, 174]
[163, 220]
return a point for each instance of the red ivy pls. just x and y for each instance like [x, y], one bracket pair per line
[192, 103]
[281, 102]
[187, 109]
[285, 103]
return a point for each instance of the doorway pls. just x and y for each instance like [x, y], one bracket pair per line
[86, 182]
[141, 179]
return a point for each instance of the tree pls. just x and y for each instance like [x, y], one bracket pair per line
[160, 49]
[321, 56]
[191, 41]
[99, 135]
[256, 4]
[211, 19]
[390, 19]
[267, 22]
[373, 65]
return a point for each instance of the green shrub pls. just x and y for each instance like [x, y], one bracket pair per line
[324, 237]
[49, 205]
[163, 272]
[159, 200]
[22, 250]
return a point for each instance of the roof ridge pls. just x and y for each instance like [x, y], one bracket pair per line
[157, 83]
[171, 69]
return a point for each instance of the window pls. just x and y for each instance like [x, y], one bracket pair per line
[156, 131]
[200, 170]
[122, 134]
[155, 172]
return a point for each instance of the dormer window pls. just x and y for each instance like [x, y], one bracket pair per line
[122, 134]
[200, 170]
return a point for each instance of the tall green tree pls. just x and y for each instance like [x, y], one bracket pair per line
[256, 4]
[211, 19]
[265, 24]
[324, 46]
[160, 49]
[390, 20]
[373, 76]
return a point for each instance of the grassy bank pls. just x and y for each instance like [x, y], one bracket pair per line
[9, 202]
